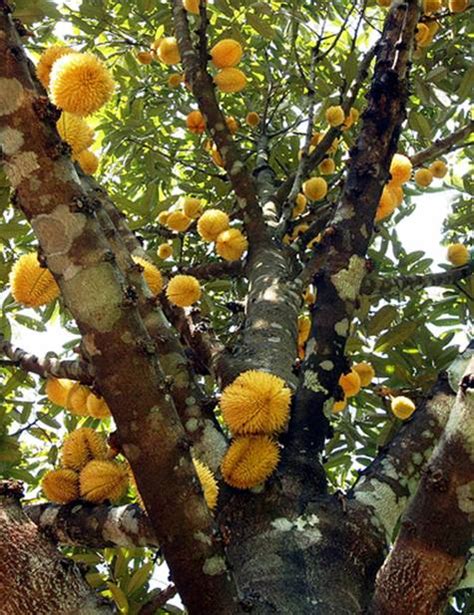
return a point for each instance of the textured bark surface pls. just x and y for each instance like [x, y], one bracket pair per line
[34, 576]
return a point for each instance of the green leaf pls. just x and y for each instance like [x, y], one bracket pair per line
[396, 336]
[382, 319]
[29, 11]
[139, 578]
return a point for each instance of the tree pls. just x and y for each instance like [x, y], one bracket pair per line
[370, 507]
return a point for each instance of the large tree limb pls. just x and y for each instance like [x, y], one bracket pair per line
[34, 576]
[115, 338]
[442, 146]
[94, 526]
[431, 550]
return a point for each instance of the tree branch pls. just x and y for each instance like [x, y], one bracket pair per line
[211, 271]
[47, 366]
[442, 146]
[94, 526]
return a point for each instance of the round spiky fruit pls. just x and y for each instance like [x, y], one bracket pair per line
[88, 162]
[423, 177]
[61, 486]
[103, 480]
[252, 119]
[183, 290]
[80, 84]
[168, 51]
[145, 57]
[75, 131]
[315, 188]
[231, 244]
[366, 373]
[81, 446]
[458, 6]
[249, 461]
[304, 329]
[57, 390]
[400, 169]
[232, 124]
[151, 274]
[208, 483]
[76, 400]
[327, 166]
[438, 168]
[163, 217]
[212, 223]
[192, 6]
[165, 251]
[422, 34]
[300, 205]
[458, 254]
[97, 406]
[178, 221]
[402, 407]
[256, 402]
[195, 122]
[226, 53]
[46, 61]
[335, 115]
[350, 383]
[387, 204]
[192, 207]
[31, 284]
[339, 406]
[230, 80]
[432, 6]
[174, 81]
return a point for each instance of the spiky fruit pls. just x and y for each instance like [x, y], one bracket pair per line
[299, 230]
[57, 390]
[231, 244]
[88, 162]
[165, 251]
[46, 61]
[145, 57]
[155, 45]
[309, 297]
[31, 284]
[192, 6]
[249, 461]
[151, 274]
[178, 221]
[423, 177]
[300, 205]
[76, 400]
[335, 115]
[256, 402]
[216, 156]
[208, 483]
[400, 169]
[252, 119]
[183, 290]
[212, 223]
[232, 124]
[196, 122]
[458, 6]
[432, 6]
[81, 446]
[351, 118]
[350, 383]
[339, 406]
[163, 217]
[226, 53]
[230, 80]
[168, 51]
[175, 80]
[61, 486]
[75, 131]
[402, 407]
[315, 188]
[366, 373]
[80, 84]
[438, 168]
[103, 480]
[327, 166]
[97, 406]
[458, 255]
[191, 206]
[387, 204]
[384, 3]
[304, 329]
[422, 34]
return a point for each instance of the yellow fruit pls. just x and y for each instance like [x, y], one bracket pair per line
[256, 402]
[327, 166]
[438, 168]
[387, 204]
[423, 177]
[422, 34]
[252, 119]
[400, 169]
[192, 6]
[75, 131]
[402, 407]
[300, 205]
[299, 230]
[335, 115]
[432, 6]
[178, 221]
[208, 483]
[168, 51]
[192, 207]
[183, 290]
[175, 80]
[458, 254]
[350, 383]
[216, 156]
[196, 122]
[339, 406]
[309, 297]
[232, 124]
[57, 390]
[315, 188]
[61, 486]
[351, 118]
[230, 80]
[81, 446]
[88, 161]
[46, 61]
[76, 400]
[250, 461]
[156, 44]
[384, 3]
[316, 138]
[163, 217]
[458, 6]
[231, 244]
[151, 274]
[304, 329]
[226, 53]
[31, 284]
[145, 57]
[165, 251]
[103, 480]
[366, 373]
[212, 223]
[80, 84]
[396, 192]
[97, 407]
